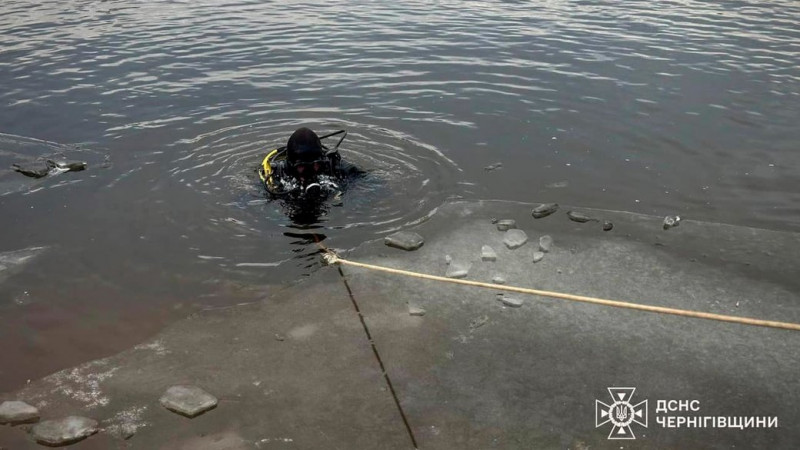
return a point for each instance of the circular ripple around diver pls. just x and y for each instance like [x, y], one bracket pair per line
[406, 179]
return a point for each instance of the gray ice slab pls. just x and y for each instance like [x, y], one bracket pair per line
[529, 377]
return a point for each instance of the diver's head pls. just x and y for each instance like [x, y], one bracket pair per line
[304, 155]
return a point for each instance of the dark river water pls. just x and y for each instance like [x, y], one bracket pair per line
[672, 107]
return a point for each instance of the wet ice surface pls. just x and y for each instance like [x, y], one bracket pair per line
[698, 266]
[124, 424]
[531, 341]
[83, 383]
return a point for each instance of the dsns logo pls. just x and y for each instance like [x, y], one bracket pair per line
[621, 413]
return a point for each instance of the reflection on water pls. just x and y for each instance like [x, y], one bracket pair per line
[307, 213]
[676, 107]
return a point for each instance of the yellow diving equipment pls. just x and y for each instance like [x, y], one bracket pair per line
[266, 172]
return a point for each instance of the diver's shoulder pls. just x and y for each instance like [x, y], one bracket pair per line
[349, 169]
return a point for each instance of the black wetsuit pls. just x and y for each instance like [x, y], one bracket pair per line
[309, 168]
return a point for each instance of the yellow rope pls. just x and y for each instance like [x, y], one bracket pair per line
[332, 258]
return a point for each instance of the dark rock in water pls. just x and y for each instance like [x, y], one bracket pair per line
[544, 210]
[44, 168]
[607, 226]
[15, 412]
[189, 401]
[406, 240]
[69, 166]
[64, 431]
[506, 224]
[671, 221]
[580, 218]
[29, 156]
[33, 170]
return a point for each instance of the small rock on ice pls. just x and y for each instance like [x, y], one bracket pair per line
[64, 431]
[406, 240]
[15, 412]
[414, 310]
[545, 242]
[512, 302]
[515, 238]
[506, 224]
[671, 221]
[189, 401]
[457, 271]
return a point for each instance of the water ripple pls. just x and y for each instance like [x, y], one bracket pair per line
[406, 178]
[711, 75]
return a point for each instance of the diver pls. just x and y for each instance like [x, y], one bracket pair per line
[306, 169]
